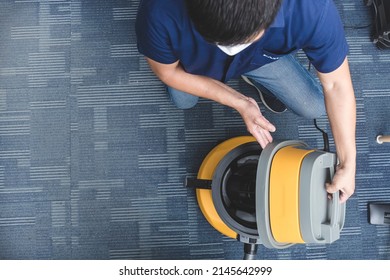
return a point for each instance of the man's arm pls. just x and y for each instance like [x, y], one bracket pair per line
[174, 76]
[341, 109]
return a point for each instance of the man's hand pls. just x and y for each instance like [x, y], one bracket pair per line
[256, 123]
[343, 181]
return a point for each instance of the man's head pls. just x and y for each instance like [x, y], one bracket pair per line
[232, 22]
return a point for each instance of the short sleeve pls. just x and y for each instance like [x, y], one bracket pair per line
[327, 48]
[153, 32]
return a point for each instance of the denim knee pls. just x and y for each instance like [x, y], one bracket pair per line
[293, 85]
[182, 100]
[311, 111]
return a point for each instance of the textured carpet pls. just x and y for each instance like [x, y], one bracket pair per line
[93, 155]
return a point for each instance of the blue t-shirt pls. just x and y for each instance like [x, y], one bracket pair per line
[166, 34]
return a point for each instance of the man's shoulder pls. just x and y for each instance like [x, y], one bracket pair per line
[305, 6]
[307, 14]
[159, 26]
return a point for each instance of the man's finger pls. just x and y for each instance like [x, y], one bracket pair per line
[343, 197]
[331, 188]
[265, 124]
[268, 136]
[261, 137]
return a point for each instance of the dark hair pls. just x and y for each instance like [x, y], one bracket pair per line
[229, 22]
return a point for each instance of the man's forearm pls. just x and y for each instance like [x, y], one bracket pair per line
[341, 109]
[174, 76]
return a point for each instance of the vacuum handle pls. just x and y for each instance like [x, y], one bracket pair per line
[335, 207]
[331, 230]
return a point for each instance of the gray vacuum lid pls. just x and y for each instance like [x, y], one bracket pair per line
[321, 220]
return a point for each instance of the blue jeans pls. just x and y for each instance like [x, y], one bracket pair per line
[287, 79]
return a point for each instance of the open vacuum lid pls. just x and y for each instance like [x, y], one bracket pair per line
[292, 205]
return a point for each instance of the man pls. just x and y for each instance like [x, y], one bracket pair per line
[195, 46]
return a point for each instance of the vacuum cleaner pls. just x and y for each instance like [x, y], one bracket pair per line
[274, 196]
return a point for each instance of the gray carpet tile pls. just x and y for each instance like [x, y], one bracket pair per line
[93, 155]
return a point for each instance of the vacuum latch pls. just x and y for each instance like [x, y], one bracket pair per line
[197, 183]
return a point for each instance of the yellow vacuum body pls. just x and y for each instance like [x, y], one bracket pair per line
[275, 197]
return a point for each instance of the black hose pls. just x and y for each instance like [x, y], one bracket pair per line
[324, 136]
[250, 251]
